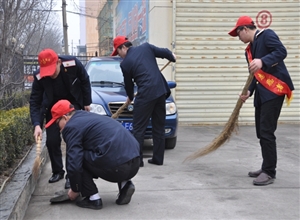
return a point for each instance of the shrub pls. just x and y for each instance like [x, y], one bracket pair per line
[15, 133]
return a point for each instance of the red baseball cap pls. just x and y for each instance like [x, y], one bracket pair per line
[59, 109]
[242, 21]
[118, 41]
[48, 60]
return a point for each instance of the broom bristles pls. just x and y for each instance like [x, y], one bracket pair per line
[230, 126]
[216, 143]
[36, 166]
[37, 161]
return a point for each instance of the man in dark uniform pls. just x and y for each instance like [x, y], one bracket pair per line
[265, 54]
[59, 77]
[97, 146]
[139, 65]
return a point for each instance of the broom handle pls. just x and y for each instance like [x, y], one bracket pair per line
[38, 146]
[165, 66]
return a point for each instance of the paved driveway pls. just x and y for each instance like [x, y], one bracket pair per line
[215, 186]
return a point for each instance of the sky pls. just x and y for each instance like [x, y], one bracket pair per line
[72, 22]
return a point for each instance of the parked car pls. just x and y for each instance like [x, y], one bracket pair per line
[108, 95]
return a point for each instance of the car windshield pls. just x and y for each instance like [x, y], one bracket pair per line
[108, 72]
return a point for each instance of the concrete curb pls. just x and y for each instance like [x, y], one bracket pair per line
[16, 195]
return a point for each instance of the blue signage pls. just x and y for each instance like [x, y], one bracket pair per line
[132, 20]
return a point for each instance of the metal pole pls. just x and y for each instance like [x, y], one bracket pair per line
[65, 27]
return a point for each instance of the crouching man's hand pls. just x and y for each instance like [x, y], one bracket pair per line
[73, 195]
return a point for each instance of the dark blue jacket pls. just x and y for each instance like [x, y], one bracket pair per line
[267, 47]
[75, 79]
[140, 65]
[98, 140]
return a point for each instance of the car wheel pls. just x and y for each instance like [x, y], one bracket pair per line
[170, 143]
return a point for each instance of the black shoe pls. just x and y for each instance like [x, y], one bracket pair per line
[91, 204]
[67, 184]
[125, 194]
[56, 177]
[154, 162]
[62, 197]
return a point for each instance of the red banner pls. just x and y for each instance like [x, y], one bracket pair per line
[270, 82]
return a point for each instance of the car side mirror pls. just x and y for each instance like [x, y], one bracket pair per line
[172, 84]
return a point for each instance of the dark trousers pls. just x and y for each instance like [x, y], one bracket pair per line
[156, 109]
[53, 143]
[118, 174]
[266, 118]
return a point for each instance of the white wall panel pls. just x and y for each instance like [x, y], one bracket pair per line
[211, 69]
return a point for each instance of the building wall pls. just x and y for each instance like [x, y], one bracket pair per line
[82, 21]
[92, 9]
[161, 31]
[159, 27]
[105, 29]
[211, 69]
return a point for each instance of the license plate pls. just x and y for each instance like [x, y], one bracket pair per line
[127, 125]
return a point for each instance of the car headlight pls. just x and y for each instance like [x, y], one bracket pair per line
[170, 108]
[98, 109]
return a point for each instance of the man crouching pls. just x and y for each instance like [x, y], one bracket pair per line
[96, 146]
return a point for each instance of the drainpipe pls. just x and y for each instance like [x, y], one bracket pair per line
[173, 43]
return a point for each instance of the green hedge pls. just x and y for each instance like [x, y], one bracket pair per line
[15, 133]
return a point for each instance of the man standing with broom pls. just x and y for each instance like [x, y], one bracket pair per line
[139, 65]
[265, 54]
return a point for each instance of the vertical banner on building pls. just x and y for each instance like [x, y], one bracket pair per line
[132, 20]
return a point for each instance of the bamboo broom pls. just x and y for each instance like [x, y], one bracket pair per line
[230, 126]
[38, 160]
[121, 109]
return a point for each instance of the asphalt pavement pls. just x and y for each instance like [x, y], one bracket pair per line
[215, 186]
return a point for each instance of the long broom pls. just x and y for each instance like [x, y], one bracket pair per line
[121, 109]
[229, 127]
[38, 160]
